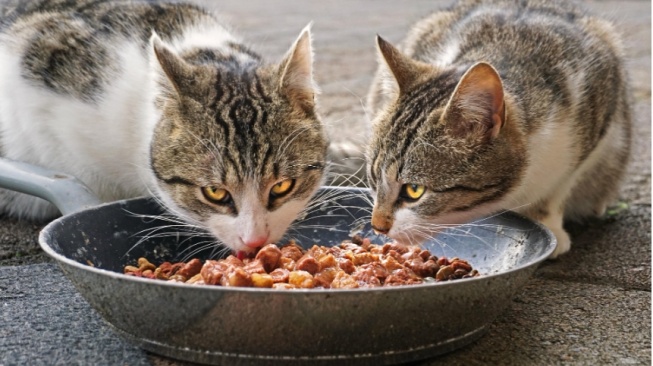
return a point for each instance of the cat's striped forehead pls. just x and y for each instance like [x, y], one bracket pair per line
[243, 125]
[260, 130]
[413, 116]
[253, 128]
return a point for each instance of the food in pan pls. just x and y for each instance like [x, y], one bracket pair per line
[354, 263]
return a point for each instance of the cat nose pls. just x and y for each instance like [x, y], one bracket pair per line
[381, 223]
[380, 230]
[256, 242]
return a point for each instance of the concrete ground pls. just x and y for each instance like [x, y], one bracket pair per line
[592, 306]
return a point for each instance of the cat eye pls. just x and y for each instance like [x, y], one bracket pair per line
[282, 188]
[412, 192]
[216, 195]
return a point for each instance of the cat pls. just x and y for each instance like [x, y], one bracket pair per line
[498, 105]
[146, 98]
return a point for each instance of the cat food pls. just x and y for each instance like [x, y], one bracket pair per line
[354, 263]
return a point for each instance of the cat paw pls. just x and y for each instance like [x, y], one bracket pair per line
[600, 209]
[564, 242]
[554, 223]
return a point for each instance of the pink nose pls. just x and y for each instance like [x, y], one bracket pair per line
[257, 242]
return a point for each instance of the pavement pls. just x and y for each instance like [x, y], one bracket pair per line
[590, 307]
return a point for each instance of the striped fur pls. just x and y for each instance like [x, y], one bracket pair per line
[495, 105]
[141, 97]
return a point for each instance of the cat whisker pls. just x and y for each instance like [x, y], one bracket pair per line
[320, 199]
[331, 123]
[426, 234]
[362, 220]
[412, 240]
[290, 236]
[198, 247]
[344, 180]
[457, 233]
[154, 233]
[164, 217]
[313, 226]
[500, 212]
[181, 225]
[220, 251]
[342, 207]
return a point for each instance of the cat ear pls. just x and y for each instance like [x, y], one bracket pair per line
[178, 71]
[296, 71]
[477, 105]
[405, 71]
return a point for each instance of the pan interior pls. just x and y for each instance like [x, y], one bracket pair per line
[117, 234]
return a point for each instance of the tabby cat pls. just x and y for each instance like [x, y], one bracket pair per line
[138, 98]
[497, 105]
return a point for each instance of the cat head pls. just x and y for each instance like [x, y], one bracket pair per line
[239, 149]
[444, 150]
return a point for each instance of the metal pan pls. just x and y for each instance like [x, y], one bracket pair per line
[217, 325]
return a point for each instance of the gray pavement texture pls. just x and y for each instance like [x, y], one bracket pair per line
[590, 307]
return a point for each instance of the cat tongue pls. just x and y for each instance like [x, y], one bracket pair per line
[241, 254]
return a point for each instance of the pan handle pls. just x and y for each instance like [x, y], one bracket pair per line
[63, 190]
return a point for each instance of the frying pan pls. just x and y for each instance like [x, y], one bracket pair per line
[92, 243]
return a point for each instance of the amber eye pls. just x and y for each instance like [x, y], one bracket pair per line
[282, 188]
[216, 195]
[412, 191]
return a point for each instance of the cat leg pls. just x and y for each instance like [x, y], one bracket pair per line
[555, 217]
[554, 222]
[550, 210]
[550, 214]
[587, 192]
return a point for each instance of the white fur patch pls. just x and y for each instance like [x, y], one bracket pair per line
[552, 152]
[203, 36]
[448, 54]
[103, 144]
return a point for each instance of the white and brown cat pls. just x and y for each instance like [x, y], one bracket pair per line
[138, 98]
[498, 105]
